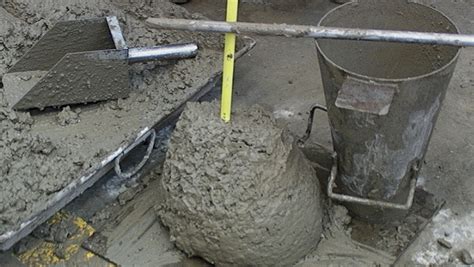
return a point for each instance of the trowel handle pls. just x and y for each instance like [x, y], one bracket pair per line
[163, 52]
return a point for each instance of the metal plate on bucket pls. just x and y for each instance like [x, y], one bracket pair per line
[368, 97]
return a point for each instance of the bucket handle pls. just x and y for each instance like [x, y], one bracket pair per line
[366, 96]
[309, 126]
[151, 135]
[352, 199]
[366, 201]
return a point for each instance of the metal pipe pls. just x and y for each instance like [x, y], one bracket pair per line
[164, 52]
[300, 31]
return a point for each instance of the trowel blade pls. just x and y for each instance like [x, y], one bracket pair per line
[63, 38]
[75, 62]
[18, 84]
[78, 78]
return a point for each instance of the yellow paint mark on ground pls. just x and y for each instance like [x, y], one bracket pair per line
[49, 253]
[89, 255]
[43, 255]
[71, 250]
[84, 226]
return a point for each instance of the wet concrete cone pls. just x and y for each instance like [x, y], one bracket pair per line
[239, 193]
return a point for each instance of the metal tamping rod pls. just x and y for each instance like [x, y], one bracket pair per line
[163, 52]
[300, 31]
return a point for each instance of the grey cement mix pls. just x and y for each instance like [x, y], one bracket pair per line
[42, 152]
[68, 116]
[338, 249]
[240, 193]
[31, 167]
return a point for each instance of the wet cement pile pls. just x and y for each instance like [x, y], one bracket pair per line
[71, 136]
[29, 167]
[240, 193]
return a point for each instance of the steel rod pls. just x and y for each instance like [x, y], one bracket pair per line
[300, 31]
[365, 201]
[164, 52]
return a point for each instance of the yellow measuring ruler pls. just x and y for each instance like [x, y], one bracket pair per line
[229, 59]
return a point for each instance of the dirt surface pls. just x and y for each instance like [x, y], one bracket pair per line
[44, 151]
[239, 193]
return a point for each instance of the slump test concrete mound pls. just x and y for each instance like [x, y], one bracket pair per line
[239, 193]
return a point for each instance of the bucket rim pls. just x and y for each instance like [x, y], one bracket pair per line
[397, 80]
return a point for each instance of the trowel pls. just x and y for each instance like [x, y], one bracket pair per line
[79, 62]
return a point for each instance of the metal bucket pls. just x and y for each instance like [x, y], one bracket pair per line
[383, 100]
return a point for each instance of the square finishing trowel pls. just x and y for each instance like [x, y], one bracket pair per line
[79, 62]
